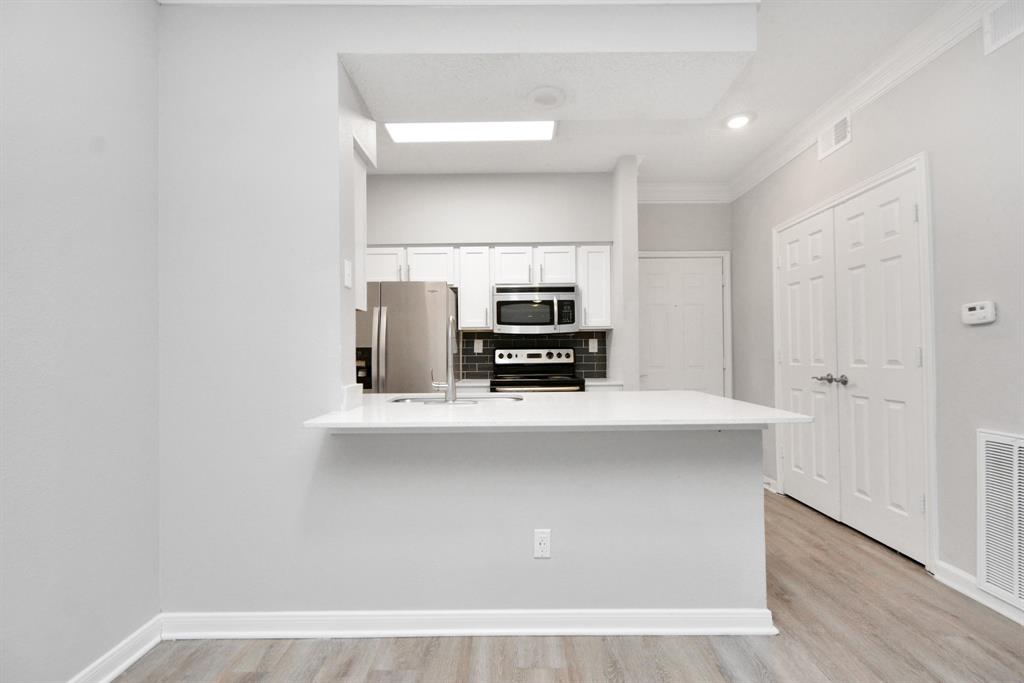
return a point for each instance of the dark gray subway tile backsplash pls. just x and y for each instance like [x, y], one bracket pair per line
[480, 366]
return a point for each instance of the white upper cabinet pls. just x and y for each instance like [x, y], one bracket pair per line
[474, 288]
[595, 285]
[430, 264]
[554, 265]
[513, 265]
[385, 264]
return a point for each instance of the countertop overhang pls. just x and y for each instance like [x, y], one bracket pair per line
[547, 412]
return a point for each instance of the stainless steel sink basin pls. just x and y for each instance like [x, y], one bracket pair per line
[439, 400]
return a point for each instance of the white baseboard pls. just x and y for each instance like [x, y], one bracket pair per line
[771, 485]
[379, 624]
[965, 583]
[413, 623]
[110, 665]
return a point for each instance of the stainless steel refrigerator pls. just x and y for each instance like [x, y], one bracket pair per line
[401, 337]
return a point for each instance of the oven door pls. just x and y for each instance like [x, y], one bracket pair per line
[525, 313]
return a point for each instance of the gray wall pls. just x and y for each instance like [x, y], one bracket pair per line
[258, 513]
[528, 207]
[967, 111]
[78, 487]
[685, 227]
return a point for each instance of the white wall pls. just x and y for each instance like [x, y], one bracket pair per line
[624, 338]
[528, 207]
[256, 510]
[967, 111]
[685, 227]
[79, 336]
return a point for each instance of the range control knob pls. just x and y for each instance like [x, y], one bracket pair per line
[501, 355]
[550, 354]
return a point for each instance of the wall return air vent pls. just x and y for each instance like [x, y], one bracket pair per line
[1002, 24]
[1001, 515]
[836, 135]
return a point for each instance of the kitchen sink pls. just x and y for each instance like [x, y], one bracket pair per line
[439, 400]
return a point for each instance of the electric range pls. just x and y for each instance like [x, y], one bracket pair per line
[525, 370]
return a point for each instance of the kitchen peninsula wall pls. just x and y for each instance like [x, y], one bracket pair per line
[588, 365]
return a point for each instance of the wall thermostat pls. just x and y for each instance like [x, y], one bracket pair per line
[978, 313]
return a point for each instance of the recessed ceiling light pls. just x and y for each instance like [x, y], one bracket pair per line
[737, 121]
[472, 131]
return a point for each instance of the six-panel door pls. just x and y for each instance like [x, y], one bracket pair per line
[849, 304]
[881, 407]
[805, 268]
[682, 334]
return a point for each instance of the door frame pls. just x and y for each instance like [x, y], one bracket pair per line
[726, 257]
[919, 163]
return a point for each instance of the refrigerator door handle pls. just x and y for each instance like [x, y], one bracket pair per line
[382, 357]
[375, 350]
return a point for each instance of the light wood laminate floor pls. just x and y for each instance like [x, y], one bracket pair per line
[847, 608]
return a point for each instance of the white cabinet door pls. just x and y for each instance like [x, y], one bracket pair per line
[595, 286]
[807, 351]
[682, 331]
[554, 265]
[385, 264]
[513, 265]
[430, 264]
[474, 288]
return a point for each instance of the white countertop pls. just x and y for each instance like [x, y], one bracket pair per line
[570, 411]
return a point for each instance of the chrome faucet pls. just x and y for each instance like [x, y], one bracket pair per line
[449, 384]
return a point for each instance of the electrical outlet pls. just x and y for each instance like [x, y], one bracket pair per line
[592, 345]
[542, 544]
[478, 346]
[348, 274]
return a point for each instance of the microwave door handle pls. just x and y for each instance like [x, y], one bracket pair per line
[382, 367]
[554, 318]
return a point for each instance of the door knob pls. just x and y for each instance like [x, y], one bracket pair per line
[843, 379]
[825, 378]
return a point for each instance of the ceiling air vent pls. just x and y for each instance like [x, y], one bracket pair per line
[834, 137]
[1001, 515]
[1002, 24]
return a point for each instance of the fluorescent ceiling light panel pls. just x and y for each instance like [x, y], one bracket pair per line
[472, 131]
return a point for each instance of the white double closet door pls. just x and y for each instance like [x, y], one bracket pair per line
[849, 301]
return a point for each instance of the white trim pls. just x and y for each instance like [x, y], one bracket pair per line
[966, 583]
[726, 257]
[771, 485]
[111, 664]
[919, 163]
[950, 24]
[352, 396]
[684, 193]
[508, 622]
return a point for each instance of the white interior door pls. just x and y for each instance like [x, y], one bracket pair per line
[682, 317]
[881, 408]
[809, 453]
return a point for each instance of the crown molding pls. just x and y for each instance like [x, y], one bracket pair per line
[949, 25]
[684, 193]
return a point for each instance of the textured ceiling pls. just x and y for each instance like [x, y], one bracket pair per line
[608, 86]
[668, 108]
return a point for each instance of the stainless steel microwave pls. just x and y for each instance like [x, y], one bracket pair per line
[535, 309]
